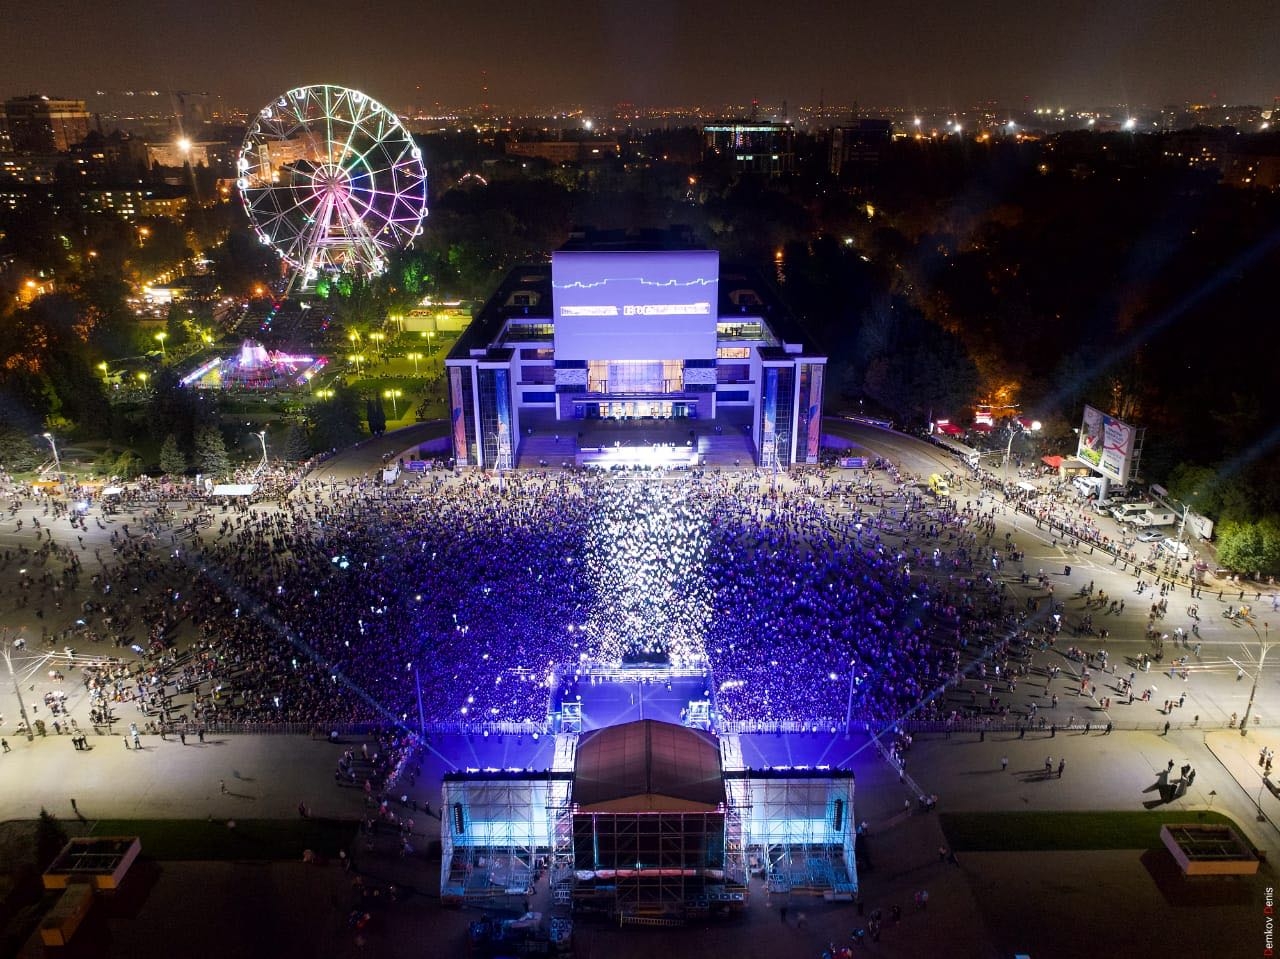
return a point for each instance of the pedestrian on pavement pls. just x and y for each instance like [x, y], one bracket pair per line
[222, 783]
[183, 737]
[1004, 763]
[1048, 764]
[1062, 764]
[4, 745]
[1166, 727]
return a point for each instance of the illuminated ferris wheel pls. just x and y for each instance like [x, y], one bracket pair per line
[332, 181]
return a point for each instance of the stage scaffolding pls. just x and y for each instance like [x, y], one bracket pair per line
[797, 827]
[495, 829]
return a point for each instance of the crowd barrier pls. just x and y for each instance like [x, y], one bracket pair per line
[359, 728]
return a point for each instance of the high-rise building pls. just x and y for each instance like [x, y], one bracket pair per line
[40, 124]
[764, 147]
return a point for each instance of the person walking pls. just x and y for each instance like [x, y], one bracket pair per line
[1048, 764]
[222, 786]
[4, 745]
[1004, 763]
[1062, 764]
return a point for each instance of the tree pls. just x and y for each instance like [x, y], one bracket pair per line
[336, 421]
[127, 466]
[211, 452]
[376, 415]
[172, 460]
[1249, 547]
[18, 450]
[50, 838]
[297, 447]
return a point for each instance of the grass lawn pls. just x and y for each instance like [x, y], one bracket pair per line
[253, 839]
[1028, 831]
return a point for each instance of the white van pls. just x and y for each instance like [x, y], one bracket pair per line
[1129, 512]
[1086, 486]
[1155, 517]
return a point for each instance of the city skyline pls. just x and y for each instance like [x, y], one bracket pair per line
[931, 54]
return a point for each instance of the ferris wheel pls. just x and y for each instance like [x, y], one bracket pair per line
[331, 180]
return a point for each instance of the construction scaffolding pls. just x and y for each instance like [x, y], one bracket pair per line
[494, 827]
[669, 864]
[797, 827]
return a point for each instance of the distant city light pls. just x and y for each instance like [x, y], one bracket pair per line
[1130, 123]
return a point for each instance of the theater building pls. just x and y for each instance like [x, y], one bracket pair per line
[618, 329]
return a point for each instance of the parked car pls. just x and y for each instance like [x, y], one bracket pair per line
[1150, 536]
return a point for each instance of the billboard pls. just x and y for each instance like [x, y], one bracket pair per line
[1106, 444]
[635, 306]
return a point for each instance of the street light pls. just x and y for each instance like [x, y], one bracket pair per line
[17, 690]
[1015, 428]
[357, 359]
[431, 346]
[393, 396]
[325, 394]
[57, 461]
[415, 357]
[105, 369]
[262, 438]
[1265, 640]
[162, 337]
[378, 338]
[143, 377]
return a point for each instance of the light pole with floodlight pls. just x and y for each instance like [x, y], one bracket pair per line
[394, 396]
[1016, 428]
[57, 460]
[262, 438]
[1265, 641]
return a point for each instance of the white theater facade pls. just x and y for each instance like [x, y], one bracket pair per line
[617, 329]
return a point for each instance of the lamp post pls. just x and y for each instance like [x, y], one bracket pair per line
[394, 396]
[262, 438]
[57, 460]
[378, 338]
[415, 357]
[162, 337]
[431, 346]
[105, 371]
[1015, 428]
[1265, 641]
[17, 690]
[357, 359]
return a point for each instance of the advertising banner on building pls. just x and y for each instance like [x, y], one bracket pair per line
[456, 412]
[1106, 444]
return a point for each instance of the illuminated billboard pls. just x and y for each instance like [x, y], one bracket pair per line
[635, 306]
[1106, 444]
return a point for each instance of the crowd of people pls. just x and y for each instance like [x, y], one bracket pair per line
[462, 599]
[458, 600]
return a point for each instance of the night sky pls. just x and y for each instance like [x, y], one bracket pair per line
[936, 53]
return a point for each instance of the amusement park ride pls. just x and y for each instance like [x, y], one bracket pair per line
[332, 181]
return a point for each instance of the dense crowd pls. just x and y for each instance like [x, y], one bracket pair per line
[472, 601]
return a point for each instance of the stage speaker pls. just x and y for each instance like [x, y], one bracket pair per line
[839, 817]
[458, 824]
